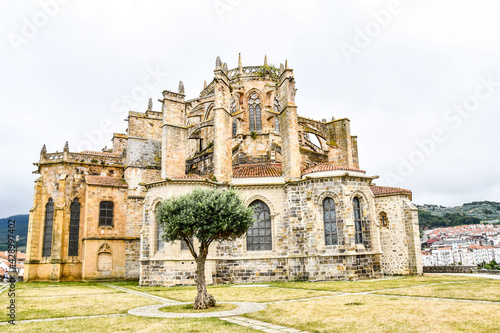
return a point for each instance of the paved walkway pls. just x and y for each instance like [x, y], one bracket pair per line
[63, 318]
[260, 325]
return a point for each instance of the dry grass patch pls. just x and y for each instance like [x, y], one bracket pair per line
[188, 308]
[382, 314]
[485, 290]
[372, 285]
[246, 294]
[47, 290]
[55, 307]
[129, 324]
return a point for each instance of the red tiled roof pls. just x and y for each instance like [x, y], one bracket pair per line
[257, 170]
[328, 167]
[106, 181]
[5, 255]
[100, 153]
[383, 190]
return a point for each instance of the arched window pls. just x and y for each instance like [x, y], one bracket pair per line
[357, 221]
[330, 220]
[74, 228]
[47, 229]
[106, 214]
[259, 234]
[233, 107]
[160, 243]
[384, 222]
[254, 113]
[234, 127]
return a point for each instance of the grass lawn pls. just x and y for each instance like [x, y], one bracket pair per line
[235, 294]
[130, 324]
[486, 290]
[338, 313]
[367, 313]
[371, 285]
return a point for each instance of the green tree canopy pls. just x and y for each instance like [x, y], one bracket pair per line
[206, 215]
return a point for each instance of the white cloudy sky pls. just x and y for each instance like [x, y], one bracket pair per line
[424, 69]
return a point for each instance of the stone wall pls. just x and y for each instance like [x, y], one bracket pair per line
[450, 269]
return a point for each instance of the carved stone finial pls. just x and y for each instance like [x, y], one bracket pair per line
[204, 84]
[239, 60]
[282, 68]
[286, 64]
[224, 68]
[181, 88]
[218, 63]
[265, 60]
[44, 150]
[150, 104]
[66, 147]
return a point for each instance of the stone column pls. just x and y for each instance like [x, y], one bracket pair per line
[223, 163]
[289, 126]
[174, 135]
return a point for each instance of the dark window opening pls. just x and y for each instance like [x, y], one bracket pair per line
[106, 214]
[330, 221]
[259, 234]
[47, 230]
[74, 228]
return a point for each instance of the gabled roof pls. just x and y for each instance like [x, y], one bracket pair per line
[384, 190]
[258, 170]
[328, 167]
[106, 181]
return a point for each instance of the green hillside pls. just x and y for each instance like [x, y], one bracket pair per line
[21, 230]
[434, 216]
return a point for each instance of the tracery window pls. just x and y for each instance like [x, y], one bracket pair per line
[384, 222]
[330, 221]
[259, 234]
[47, 229]
[357, 221]
[74, 228]
[254, 113]
[234, 127]
[160, 243]
[277, 109]
[106, 214]
[233, 106]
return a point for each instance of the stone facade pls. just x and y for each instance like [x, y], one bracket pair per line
[325, 218]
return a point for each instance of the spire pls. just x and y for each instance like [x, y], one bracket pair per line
[239, 60]
[150, 104]
[204, 84]
[224, 68]
[265, 60]
[218, 63]
[44, 150]
[66, 147]
[181, 88]
[282, 68]
[286, 64]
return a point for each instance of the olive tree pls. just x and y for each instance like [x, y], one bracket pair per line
[207, 215]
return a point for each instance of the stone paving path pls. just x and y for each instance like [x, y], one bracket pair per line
[260, 325]
[142, 294]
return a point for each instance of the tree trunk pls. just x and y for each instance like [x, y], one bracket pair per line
[203, 299]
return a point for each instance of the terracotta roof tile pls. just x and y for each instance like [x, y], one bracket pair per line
[106, 181]
[383, 190]
[328, 167]
[99, 153]
[257, 170]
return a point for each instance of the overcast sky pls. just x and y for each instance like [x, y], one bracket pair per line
[419, 80]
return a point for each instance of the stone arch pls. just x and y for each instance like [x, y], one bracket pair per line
[363, 199]
[104, 259]
[339, 209]
[255, 108]
[331, 194]
[264, 200]
[209, 113]
[156, 231]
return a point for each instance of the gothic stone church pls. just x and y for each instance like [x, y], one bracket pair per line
[319, 216]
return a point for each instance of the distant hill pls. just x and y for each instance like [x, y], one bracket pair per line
[433, 216]
[21, 230]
